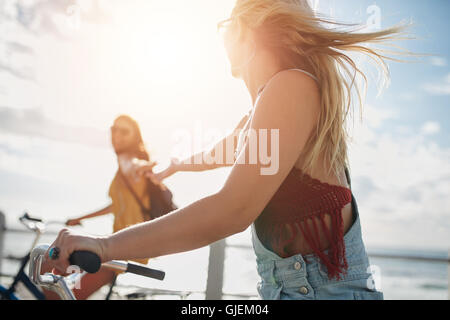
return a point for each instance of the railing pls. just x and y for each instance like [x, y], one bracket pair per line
[217, 251]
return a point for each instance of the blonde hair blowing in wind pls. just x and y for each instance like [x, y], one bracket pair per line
[299, 37]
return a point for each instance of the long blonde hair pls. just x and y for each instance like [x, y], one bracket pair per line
[300, 36]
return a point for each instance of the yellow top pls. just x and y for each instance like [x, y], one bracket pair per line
[125, 208]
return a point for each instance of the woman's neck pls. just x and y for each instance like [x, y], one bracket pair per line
[263, 67]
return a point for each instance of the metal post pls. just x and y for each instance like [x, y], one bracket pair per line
[214, 282]
[2, 236]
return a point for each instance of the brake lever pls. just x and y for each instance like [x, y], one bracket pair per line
[27, 217]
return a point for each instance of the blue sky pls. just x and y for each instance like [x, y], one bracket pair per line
[162, 62]
[416, 90]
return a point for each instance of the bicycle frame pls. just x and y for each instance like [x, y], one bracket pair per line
[38, 227]
[21, 277]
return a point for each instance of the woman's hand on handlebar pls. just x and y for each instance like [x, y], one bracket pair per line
[67, 242]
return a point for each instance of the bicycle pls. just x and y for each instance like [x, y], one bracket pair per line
[38, 226]
[88, 262]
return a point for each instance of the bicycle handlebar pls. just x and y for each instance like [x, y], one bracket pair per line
[89, 262]
[27, 217]
[144, 271]
[36, 224]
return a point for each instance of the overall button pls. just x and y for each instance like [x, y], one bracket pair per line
[304, 290]
[297, 265]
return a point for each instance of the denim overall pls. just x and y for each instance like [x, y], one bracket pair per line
[294, 278]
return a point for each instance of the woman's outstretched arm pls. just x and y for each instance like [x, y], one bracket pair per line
[223, 161]
[191, 164]
[101, 212]
[291, 102]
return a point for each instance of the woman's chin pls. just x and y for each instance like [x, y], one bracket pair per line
[236, 73]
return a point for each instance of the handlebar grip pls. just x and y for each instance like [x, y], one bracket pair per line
[86, 260]
[146, 272]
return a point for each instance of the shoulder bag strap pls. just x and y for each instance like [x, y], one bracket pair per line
[130, 188]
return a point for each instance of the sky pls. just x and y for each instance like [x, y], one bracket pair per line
[66, 71]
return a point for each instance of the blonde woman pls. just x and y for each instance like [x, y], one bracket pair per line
[304, 218]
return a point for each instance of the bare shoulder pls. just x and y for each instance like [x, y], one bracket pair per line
[294, 81]
[291, 88]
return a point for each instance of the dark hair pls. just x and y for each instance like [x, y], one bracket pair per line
[139, 150]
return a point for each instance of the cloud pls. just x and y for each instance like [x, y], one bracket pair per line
[52, 178]
[19, 47]
[375, 116]
[22, 73]
[33, 122]
[401, 183]
[409, 96]
[441, 88]
[430, 128]
[39, 16]
[438, 62]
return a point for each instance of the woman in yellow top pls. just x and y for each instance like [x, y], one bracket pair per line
[129, 148]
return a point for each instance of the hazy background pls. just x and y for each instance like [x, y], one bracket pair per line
[68, 69]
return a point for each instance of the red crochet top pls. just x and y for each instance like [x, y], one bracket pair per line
[299, 206]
